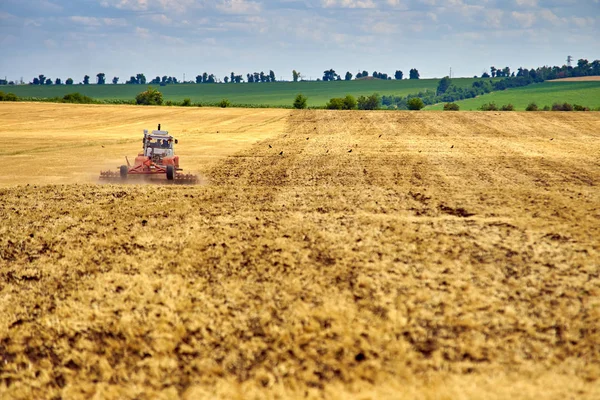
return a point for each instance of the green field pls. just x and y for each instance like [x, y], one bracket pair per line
[271, 94]
[583, 93]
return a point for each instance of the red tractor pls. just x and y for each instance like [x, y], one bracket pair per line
[157, 162]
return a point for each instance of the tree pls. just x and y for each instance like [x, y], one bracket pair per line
[263, 77]
[365, 74]
[415, 104]
[272, 75]
[149, 98]
[506, 72]
[329, 75]
[141, 79]
[443, 86]
[232, 78]
[155, 81]
[86, 80]
[69, 81]
[226, 79]
[300, 101]
[493, 71]
[115, 80]
[399, 75]
[48, 81]
[372, 102]
[348, 76]
[132, 81]
[41, 80]
[295, 75]
[101, 78]
[414, 74]
[350, 102]
[485, 75]
[359, 75]
[58, 81]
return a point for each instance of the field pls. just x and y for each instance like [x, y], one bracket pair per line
[325, 255]
[271, 94]
[585, 93]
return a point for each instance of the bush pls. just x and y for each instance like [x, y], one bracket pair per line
[8, 97]
[186, 103]
[224, 103]
[489, 107]
[168, 103]
[150, 97]
[507, 107]
[451, 107]
[546, 108]
[350, 102]
[531, 107]
[577, 107]
[342, 103]
[372, 102]
[337, 103]
[415, 104]
[300, 102]
[562, 107]
[77, 98]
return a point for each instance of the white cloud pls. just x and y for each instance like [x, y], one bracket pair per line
[96, 22]
[142, 33]
[527, 3]
[494, 18]
[238, 7]
[526, 20]
[348, 4]
[50, 44]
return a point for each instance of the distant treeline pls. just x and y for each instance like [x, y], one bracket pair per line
[540, 74]
[447, 92]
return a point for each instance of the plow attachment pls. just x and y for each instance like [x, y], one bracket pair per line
[161, 179]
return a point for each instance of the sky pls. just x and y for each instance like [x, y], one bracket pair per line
[176, 37]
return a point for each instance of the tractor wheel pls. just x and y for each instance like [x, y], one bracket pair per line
[124, 171]
[170, 172]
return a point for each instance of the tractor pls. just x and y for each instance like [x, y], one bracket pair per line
[156, 162]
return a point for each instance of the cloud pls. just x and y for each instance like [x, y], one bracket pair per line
[97, 22]
[136, 5]
[50, 44]
[527, 3]
[238, 7]
[348, 4]
[494, 18]
[526, 20]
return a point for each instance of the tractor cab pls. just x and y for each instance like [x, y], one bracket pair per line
[158, 145]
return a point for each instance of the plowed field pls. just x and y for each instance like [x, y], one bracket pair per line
[326, 254]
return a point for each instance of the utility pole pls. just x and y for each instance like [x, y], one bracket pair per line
[450, 76]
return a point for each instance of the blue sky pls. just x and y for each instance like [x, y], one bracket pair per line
[172, 37]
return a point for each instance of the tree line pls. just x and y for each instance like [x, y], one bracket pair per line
[583, 68]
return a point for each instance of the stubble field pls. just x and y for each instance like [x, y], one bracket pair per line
[325, 254]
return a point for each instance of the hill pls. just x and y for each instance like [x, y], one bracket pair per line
[271, 94]
[586, 93]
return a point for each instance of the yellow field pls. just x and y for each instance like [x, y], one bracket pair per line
[382, 255]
